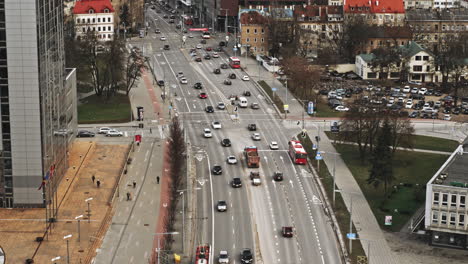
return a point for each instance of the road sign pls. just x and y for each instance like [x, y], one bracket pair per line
[351, 236]
[310, 108]
[274, 89]
[314, 147]
[318, 157]
[388, 220]
[286, 107]
[234, 49]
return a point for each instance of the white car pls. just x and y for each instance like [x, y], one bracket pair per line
[414, 90]
[256, 136]
[162, 38]
[114, 133]
[422, 91]
[409, 105]
[245, 78]
[223, 257]
[447, 117]
[215, 55]
[207, 133]
[104, 130]
[183, 80]
[199, 46]
[190, 36]
[341, 108]
[231, 160]
[221, 106]
[406, 89]
[216, 125]
[221, 206]
[274, 145]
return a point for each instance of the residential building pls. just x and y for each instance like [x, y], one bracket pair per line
[418, 4]
[418, 62]
[376, 12]
[446, 214]
[335, 2]
[37, 104]
[321, 27]
[446, 4]
[136, 10]
[382, 37]
[432, 27]
[96, 16]
[253, 33]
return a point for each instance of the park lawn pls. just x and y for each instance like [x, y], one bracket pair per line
[412, 170]
[96, 110]
[422, 142]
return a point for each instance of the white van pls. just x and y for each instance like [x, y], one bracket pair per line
[243, 102]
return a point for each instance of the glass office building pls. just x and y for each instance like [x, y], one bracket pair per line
[37, 105]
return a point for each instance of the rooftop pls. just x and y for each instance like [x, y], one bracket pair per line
[437, 15]
[97, 6]
[374, 6]
[252, 18]
[454, 172]
[318, 11]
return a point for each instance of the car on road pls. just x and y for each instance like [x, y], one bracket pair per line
[221, 106]
[232, 76]
[255, 178]
[278, 176]
[247, 93]
[236, 182]
[199, 46]
[215, 55]
[180, 74]
[165, 16]
[252, 127]
[255, 106]
[223, 66]
[161, 83]
[198, 59]
[217, 170]
[246, 256]
[221, 206]
[203, 96]
[287, 231]
[85, 133]
[203, 41]
[226, 142]
[162, 38]
[256, 137]
[209, 109]
[227, 82]
[104, 130]
[223, 257]
[216, 125]
[217, 71]
[341, 108]
[209, 49]
[207, 133]
[274, 145]
[190, 36]
[157, 31]
[245, 78]
[183, 80]
[198, 85]
[114, 133]
[171, 21]
[231, 160]
[167, 47]
[207, 57]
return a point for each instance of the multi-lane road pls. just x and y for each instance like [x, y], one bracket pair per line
[255, 214]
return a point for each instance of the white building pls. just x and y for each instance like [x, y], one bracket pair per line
[94, 15]
[423, 4]
[446, 3]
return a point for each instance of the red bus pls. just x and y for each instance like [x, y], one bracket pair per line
[297, 152]
[187, 20]
[234, 62]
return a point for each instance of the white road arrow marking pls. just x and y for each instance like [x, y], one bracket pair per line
[291, 182]
[316, 200]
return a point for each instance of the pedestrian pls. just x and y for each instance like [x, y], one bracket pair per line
[93, 178]
[134, 184]
[151, 131]
[98, 182]
[157, 179]
[128, 196]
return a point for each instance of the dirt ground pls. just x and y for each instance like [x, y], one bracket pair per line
[412, 249]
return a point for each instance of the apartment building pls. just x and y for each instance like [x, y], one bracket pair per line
[418, 4]
[446, 214]
[96, 16]
[376, 12]
[253, 33]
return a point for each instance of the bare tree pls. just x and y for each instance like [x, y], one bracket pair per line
[355, 34]
[303, 79]
[133, 69]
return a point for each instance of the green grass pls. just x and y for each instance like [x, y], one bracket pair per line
[341, 212]
[94, 109]
[323, 110]
[278, 102]
[412, 170]
[422, 142]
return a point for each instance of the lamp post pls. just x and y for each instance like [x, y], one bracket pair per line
[125, 31]
[159, 246]
[334, 176]
[68, 251]
[182, 192]
[89, 211]
[79, 233]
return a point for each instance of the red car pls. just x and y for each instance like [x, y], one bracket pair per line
[203, 96]
[287, 231]
[209, 49]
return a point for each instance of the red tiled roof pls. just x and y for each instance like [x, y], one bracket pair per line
[317, 11]
[252, 18]
[83, 6]
[375, 6]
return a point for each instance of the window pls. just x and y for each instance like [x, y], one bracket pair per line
[371, 75]
[417, 68]
[255, 40]
[94, 20]
[84, 29]
[91, 11]
[255, 31]
[263, 31]
[106, 10]
[324, 28]
[425, 58]
[99, 20]
[262, 40]
[247, 40]
[108, 19]
[443, 27]
[462, 201]
[443, 218]
[99, 29]
[418, 58]
[453, 218]
[89, 21]
[109, 28]
[435, 200]
[436, 27]
[444, 199]
[78, 20]
[247, 30]
[435, 217]
[453, 200]
[428, 68]
[461, 219]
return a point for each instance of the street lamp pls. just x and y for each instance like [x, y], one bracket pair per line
[182, 192]
[159, 246]
[79, 233]
[68, 251]
[89, 211]
[334, 176]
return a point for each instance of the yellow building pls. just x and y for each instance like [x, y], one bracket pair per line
[253, 33]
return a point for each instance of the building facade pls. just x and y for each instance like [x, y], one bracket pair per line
[36, 106]
[96, 16]
[382, 37]
[376, 12]
[446, 214]
[253, 33]
[440, 4]
[420, 4]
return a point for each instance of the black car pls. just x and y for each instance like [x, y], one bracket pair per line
[223, 66]
[222, 43]
[161, 83]
[278, 176]
[171, 21]
[165, 16]
[203, 41]
[226, 142]
[167, 47]
[198, 85]
[209, 109]
[465, 111]
[246, 93]
[438, 93]
[232, 76]
[217, 170]
[217, 71]
[447, 110]
[85, 133]
[218, 49]
[246, 256]
[414, 114]
[456, 110]
[252, 127]
[157, 31]
[178, 26]
[236, 183]
[207, 57]
[227, 82]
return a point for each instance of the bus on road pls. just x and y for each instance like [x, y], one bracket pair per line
[234, 62]
[297, 152]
